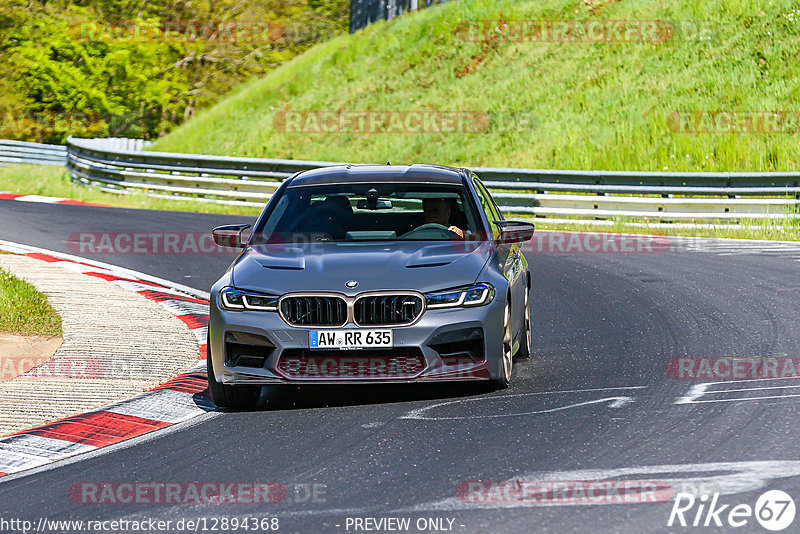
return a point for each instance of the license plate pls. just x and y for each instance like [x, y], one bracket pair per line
[349, 339]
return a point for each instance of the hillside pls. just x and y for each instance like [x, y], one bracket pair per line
[548, 102]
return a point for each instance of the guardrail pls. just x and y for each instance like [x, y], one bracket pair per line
[23, 152]
[663, 196]
[120, 165]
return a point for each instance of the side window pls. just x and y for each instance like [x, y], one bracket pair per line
[497, 212]
[488, 207]
[494, 204]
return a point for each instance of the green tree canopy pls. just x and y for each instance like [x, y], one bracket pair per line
[138, 68]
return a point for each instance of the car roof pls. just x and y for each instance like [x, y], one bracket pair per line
[417, 173]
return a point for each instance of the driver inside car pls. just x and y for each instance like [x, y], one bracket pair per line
[437, 211]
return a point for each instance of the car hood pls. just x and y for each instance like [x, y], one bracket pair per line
[422, 266]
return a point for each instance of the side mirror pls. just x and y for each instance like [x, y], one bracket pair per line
[230, 235]
[514, 231]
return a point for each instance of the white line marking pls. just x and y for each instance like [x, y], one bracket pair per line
[745, 398]
[753, 389]
[701, 390]
[616, 402]
[695, 392]
[376, 424]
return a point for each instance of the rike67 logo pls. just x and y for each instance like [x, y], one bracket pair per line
[774, 510]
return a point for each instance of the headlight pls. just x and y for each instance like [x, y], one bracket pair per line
[475, 295]
[238, 300]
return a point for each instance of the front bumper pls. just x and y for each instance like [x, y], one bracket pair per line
[453, 344]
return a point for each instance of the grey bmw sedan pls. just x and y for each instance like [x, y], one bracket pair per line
[370, 273]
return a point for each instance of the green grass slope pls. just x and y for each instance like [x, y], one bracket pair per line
[25, 311]
[551, 104]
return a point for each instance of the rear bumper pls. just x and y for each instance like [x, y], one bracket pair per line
[458, 344]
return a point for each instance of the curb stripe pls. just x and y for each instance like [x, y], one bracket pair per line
[200, 334]
[74, 261]
[160, 296]
[194, 320]
[182, 307]
[43, 257]
[53, 259]
[70, 202]
[195, 384]
[98, 428]
[13, 461]
[179, 399]
[164, 405]
[42, 446]
[139, 286]
[115, 278]
[40, 199]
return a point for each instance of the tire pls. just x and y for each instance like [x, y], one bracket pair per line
[507, 357]
[234, 397]
[524, 351]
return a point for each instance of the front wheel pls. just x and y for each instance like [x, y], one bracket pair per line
[234, 397]
[507, 363]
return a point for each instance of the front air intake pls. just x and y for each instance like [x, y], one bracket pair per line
[387, 310]
[314, 310]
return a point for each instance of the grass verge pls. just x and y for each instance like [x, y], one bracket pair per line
[25, 311]
[54, 181]
[561, 103]
[762, 229]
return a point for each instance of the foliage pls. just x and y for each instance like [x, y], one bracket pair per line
[138, 68]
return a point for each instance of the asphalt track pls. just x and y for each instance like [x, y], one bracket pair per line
[595, 396]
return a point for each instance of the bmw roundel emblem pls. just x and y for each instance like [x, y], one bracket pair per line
[350, 284]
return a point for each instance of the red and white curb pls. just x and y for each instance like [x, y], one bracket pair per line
[47, 200]
[178, 400]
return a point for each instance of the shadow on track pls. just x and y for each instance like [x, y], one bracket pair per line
[287, 397]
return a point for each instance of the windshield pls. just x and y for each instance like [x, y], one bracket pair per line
[369, 212]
